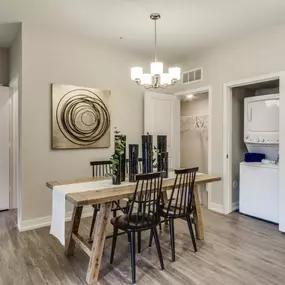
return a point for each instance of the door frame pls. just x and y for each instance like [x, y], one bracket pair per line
[227, 138]
[206, 89]
[15, 186]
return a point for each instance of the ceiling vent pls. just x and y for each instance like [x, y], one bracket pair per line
[192, 75]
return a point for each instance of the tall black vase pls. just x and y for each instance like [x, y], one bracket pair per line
[162, 147]
[117, 177]
[133, 161]
[147, 153]
[123, 158]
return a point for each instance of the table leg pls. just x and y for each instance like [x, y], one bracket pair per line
[198, 219]
[75, 221]
[98, 243]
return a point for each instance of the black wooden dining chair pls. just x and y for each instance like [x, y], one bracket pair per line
[102, 168]
[143, 215]
[180, 204]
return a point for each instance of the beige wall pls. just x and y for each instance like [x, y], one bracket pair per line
[238, 145]
[259, 54]
[50, 57]
[4, 66]
[194, 142]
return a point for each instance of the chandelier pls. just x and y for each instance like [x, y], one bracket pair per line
[156, 78]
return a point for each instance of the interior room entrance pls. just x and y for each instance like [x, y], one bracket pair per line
[194, 134]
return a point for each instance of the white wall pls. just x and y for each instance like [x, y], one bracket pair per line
[194, 142]
[49, 57]
[4, 66]
[258, 54]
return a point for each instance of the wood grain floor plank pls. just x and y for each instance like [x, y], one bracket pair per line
[237, 250]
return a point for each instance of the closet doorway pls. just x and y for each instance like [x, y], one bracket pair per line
[194, 133]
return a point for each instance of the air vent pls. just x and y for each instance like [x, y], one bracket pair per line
[192, 75]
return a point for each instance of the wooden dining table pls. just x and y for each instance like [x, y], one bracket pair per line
[105, 197]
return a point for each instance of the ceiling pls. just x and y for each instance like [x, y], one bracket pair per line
[186, 26]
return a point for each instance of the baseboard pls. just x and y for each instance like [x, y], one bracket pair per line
[46, 221]
[216, 208]
[235, 206]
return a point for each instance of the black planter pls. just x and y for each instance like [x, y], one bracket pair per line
[123, 158]
[133, 161]
[117, 177]
[162, 147]
[147, 153]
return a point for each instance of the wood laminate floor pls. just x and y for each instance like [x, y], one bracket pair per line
[237, 250]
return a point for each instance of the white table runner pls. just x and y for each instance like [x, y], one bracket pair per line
[58, 202]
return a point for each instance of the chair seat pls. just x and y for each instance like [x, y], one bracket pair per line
[134, 222]
[171, 213]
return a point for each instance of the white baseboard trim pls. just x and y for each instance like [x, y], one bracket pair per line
[46, 221]
[235, 206]
[216, 208]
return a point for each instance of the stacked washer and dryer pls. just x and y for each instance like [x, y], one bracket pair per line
[259, 181]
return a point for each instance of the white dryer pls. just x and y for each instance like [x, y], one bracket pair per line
[261, 125]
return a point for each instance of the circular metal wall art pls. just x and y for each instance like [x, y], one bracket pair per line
[82, 117]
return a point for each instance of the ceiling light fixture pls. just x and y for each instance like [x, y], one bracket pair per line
[156, 78]
[190, 96]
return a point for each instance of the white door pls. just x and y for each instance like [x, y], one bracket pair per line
[4, 148]
[162, 117]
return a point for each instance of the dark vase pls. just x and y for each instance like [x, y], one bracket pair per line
[133, 161]
[117, 177]
[123, 157]
[162, 147]
[147, 153]
[163, 159]
[162, 143]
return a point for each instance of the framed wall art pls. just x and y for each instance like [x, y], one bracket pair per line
[80, 117]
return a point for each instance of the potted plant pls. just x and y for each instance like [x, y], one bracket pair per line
[116, 157]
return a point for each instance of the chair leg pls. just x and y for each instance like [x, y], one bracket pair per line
[115, 235]
[172, 240]
[150, 238]
[188, 218]
[93, 221]
[114, 213]
[157, 243]
[139, 242]
[133, 256]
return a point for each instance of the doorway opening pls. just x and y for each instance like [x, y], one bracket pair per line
[195, 134]
[236, 141]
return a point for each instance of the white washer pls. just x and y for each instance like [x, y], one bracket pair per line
[259, 190]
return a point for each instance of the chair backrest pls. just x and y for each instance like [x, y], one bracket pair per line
[101, 168]
[180, 203]
[144, 208]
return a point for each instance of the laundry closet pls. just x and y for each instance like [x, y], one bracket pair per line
[255, 149]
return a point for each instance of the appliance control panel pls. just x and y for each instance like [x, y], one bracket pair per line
[267, 139]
